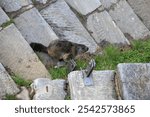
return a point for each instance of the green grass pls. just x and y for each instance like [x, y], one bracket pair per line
[139, 53]
[10, 97]
[58, 73]
[4, 25]
[20, 81]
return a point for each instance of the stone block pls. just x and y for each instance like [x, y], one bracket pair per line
[134, 81]
[17, 55]
[103, 88]
[108, 3]
[4, 18]
[127, 20]
[104, 29]
[66, 25]
[46, 89]
[34, 28]
[84, 7]
[7, 85]
[142, 9]
[14, 5]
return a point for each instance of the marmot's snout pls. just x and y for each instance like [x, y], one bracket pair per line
[86, 49]
[82, 48]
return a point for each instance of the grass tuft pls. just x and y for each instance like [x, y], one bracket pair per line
[10, 97]
[20, 81]
[58, 73]
[4, 25]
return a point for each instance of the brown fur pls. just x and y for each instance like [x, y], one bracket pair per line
[61, 49]
[65, 50]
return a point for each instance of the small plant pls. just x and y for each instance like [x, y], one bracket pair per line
[20, 81]
[10, 97]
[4, 25]
[58, 73]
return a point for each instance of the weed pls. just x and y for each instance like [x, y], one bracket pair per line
[4, 25]
[20, 81]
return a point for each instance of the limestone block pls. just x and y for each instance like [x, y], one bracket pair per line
[108, 3]
[127, 20]
[84, 7]
[103, 88]
[66, 25]
[17, 55]
[46, 89]
[3, 17]
[103, 28]
[7, 85]
[142, 9]
[134, 81]
[14, 5]
[34, 28]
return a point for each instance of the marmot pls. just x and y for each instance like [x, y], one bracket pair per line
[61, 49]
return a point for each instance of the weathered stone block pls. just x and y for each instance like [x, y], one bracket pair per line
[84, 7]
[4, 18]
[127, 20]
[134, 81]
[17, 55]
[66, 25]
[108, 3]
[103, 28]
[7, 85]
[46, 89]
[103, 88]
[34, 28]
[14, 5]
[142, 9]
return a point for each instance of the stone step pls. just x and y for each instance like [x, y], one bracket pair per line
[134, 81]
[46, 89]
[142, 9]
[34, 28]
[84, 7]
[66, 25]
[4, 18]
[99, 23]
[104, 29]
[7, 85]
[126, 19]
[103, 88]
[14, 5]
[17, 55]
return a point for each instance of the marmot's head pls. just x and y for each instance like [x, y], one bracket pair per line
[81, 48]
